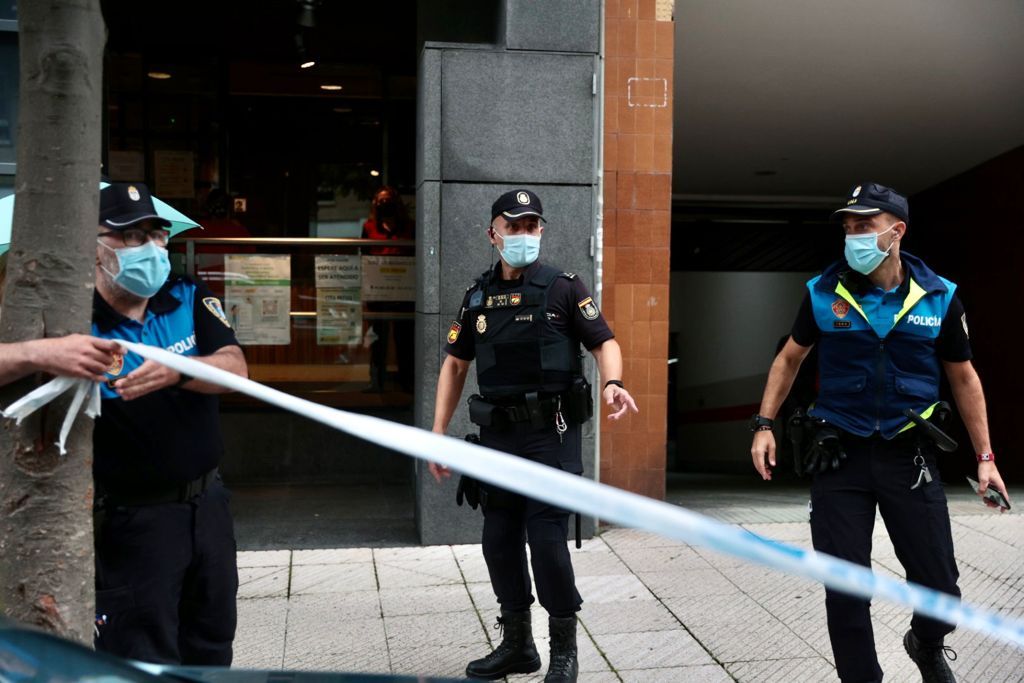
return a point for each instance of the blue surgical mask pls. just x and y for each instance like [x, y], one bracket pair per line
[520, 251]
[862, 252]
[142, 270]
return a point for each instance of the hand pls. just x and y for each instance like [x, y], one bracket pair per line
[145, 379]
[439, 471]
[620, 401]
[763, 449]
[76, 355]
[988, 475]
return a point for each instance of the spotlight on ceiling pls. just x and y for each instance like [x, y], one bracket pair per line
[159, 75]
[307, 65]
[330, 86]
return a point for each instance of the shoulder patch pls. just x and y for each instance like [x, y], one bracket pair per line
[213, 305]
[476, 299]
[589, 309]
[453, 332]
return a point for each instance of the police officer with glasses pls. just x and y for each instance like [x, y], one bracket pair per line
[523, 323]
[886, 326]
[166, 575]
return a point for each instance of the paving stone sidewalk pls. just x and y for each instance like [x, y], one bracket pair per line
[655, 610]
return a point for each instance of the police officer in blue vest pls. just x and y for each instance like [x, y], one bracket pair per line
[166, 576]
[523, 323]
[885, 326]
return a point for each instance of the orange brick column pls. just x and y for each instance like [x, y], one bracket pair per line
[637, 218]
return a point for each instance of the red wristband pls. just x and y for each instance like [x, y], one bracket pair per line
[986, 457]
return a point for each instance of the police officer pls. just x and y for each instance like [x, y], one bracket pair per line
[885, 325]
[523, 322]
[166, 576]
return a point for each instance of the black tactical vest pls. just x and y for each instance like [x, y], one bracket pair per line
[517, 349]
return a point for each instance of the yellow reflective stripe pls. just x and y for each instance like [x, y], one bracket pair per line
[842, 291]
[915, 294]
[926, 414]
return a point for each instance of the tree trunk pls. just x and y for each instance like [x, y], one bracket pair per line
[46, 540]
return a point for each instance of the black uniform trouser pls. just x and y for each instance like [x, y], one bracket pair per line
[880, 472]
[166, 581]
[511, 521]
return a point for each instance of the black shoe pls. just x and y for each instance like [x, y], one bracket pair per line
[930, 659]
[516, 654]
[564, 667]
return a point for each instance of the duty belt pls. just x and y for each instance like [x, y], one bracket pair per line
[177, 493]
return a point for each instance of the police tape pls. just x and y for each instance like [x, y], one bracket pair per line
[611, 504]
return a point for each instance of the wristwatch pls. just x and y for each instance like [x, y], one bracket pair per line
[759, 423]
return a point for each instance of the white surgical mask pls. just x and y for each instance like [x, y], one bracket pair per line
[519, 251]
[862, 252]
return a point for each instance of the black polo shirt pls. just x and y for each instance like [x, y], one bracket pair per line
[170, 436]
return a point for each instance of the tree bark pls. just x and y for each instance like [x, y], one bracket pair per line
[46, 539]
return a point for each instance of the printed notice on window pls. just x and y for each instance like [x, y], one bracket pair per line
[258, 297]
[389, 278]
[339, 308]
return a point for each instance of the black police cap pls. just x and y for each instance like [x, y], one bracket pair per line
[516, 204]
[868, 199]
[122, 205]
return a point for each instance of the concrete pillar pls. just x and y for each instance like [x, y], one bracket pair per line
[493, 118]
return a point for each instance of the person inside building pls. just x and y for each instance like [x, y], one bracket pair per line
[389, 220]
[166, 576]
[523, 323]
[885, 326]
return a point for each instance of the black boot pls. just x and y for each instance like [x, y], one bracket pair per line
[930, 659]
[563, 667]
[516, 654]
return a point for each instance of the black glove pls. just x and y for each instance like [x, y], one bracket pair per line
[826, 451]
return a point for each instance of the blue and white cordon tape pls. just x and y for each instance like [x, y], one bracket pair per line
[611, 504]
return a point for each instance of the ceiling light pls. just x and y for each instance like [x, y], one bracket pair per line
[342, 110]
[306, 65]
[374, 172]
[159, 75]
[330, 86]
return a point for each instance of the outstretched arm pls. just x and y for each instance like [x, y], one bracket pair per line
[970, 400]
[609, 365]
[450, 384]
[76, 355]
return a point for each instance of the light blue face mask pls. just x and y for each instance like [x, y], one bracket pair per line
[520, 250]
[143, 270]
[862, 252]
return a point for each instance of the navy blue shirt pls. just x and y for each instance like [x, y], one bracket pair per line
[170, 436]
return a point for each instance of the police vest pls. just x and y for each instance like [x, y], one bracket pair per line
[868, 379]
[517, 349]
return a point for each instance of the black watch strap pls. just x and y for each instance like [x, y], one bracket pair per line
[616, 382]
[760, 423]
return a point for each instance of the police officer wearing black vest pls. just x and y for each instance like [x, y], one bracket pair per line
[885, 326]
[523, 322]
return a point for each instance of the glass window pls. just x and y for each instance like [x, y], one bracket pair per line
[8, 97]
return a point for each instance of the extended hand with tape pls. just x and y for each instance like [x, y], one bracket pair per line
[826, 451]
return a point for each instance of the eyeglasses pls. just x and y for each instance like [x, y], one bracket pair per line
[136, 237]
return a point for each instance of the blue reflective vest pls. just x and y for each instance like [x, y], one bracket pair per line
[868, 378]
